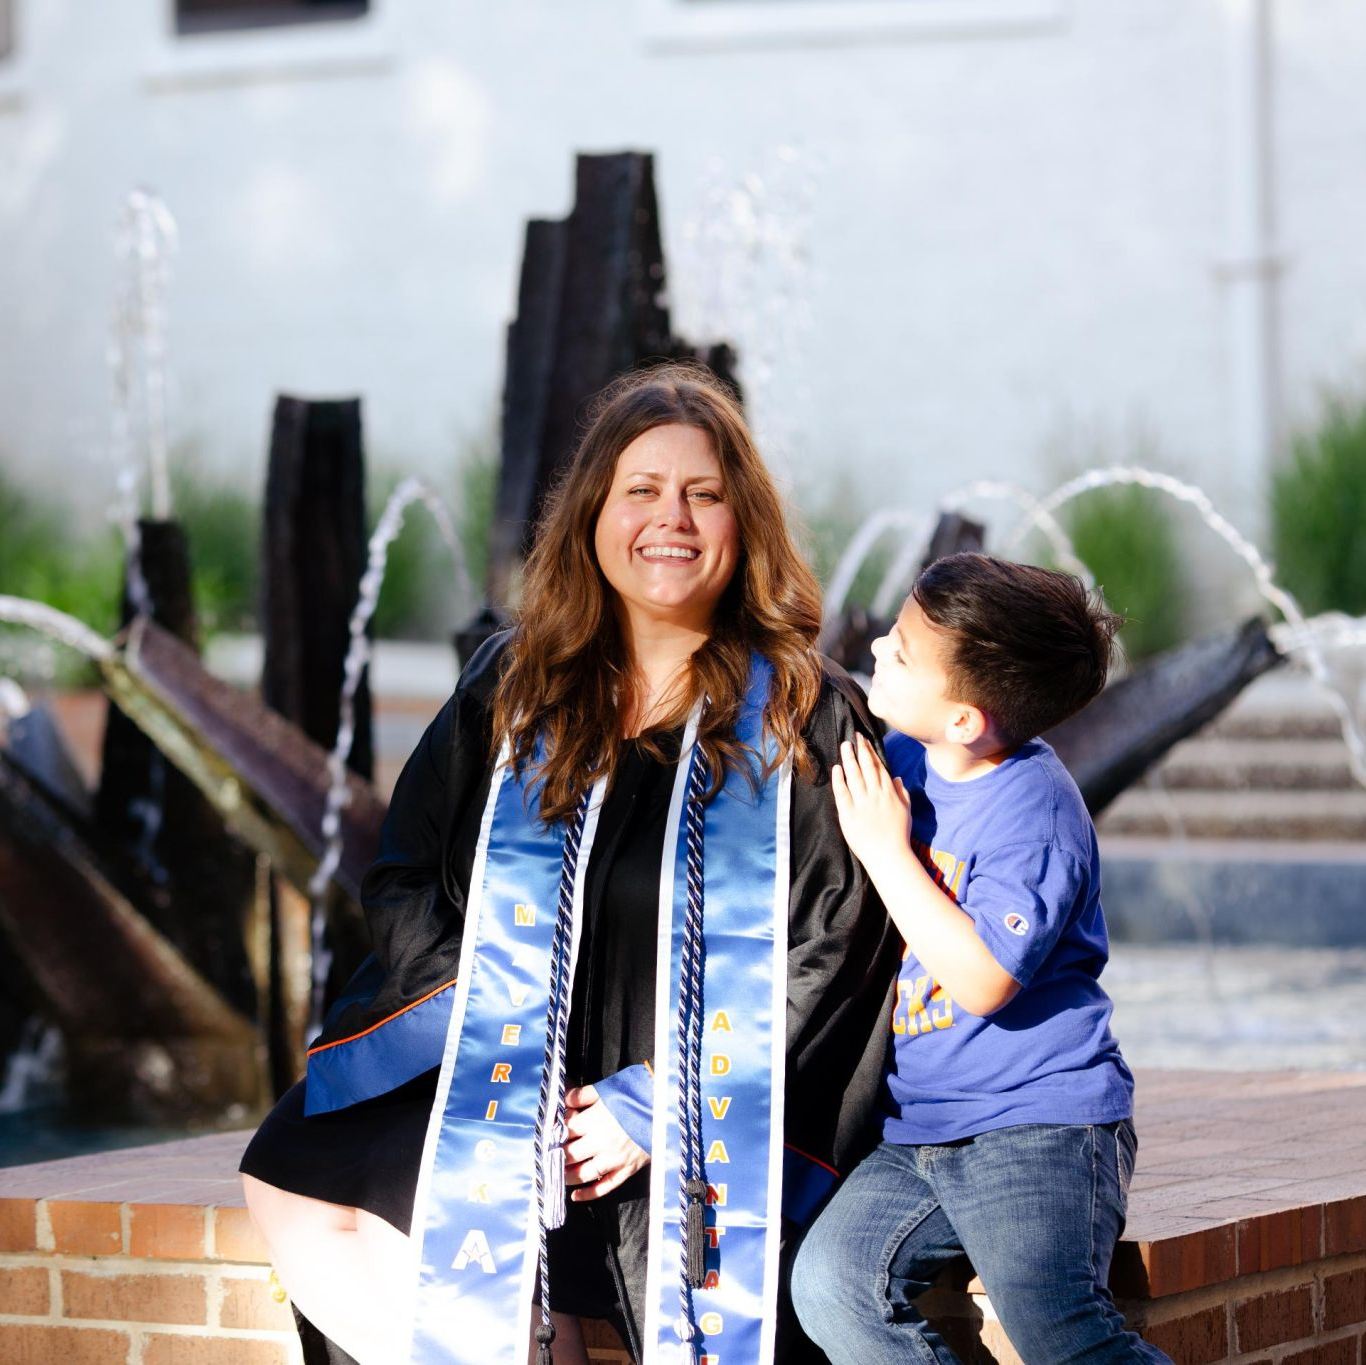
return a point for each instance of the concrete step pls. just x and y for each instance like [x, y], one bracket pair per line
[1223, 763]
[1256, 723]
[1284, 704]
[1269, 815]
[1300, 894]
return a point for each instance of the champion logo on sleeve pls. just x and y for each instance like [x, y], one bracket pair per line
[1017, 924]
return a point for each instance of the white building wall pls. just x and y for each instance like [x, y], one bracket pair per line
[1321, 206]
[1016, 229]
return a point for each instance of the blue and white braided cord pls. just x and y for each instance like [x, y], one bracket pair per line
[556, 1031]
[690, 1033]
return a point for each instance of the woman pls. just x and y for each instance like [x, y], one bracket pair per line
[619, 795]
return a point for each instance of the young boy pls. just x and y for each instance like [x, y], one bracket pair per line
[1008, 1134]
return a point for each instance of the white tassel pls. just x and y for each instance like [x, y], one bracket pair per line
[552, 1177]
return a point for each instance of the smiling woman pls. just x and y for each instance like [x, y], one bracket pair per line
[668, 468]
[666, 537]
[620, 948]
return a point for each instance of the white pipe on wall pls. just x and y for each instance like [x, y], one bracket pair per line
[1252, 265]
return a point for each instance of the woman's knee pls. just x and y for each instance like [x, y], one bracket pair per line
[284, 1217]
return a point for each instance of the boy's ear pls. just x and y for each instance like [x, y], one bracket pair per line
[967, 724]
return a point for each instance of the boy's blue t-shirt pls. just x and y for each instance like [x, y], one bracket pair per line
[1016, 849]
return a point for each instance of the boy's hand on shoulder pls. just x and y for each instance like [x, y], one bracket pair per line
[874, 810]
[873, 807]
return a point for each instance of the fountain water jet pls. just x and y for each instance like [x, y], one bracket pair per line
[747, 273]
[32, 1067]
[56, 625]
[920, 528]
[358, 654]
[145, 238]
[1303, 639]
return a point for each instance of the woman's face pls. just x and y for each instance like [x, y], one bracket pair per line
[666, 538]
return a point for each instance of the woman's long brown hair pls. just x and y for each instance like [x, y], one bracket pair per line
[566, 675]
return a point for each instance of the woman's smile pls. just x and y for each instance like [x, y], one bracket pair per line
[664, 554]
[666, 538]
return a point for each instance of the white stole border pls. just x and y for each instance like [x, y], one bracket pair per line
[782, 895]
[474, 908]
[665, 1089]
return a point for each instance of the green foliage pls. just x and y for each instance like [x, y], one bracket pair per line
[1126, 536]
[418, 598]
[478, 483]
[223, 526]
[825, 523]
[1318, 512]
[408, 607]
[43, 558]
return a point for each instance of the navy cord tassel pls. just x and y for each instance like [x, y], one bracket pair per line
[695, 1237]
[545, 1334]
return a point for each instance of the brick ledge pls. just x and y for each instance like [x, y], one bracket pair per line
[1237, 1201]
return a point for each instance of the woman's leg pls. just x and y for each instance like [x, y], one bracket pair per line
[352, 1275]
[349, 1272]
[568, 1348]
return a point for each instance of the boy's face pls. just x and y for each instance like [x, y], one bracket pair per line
[910, 682]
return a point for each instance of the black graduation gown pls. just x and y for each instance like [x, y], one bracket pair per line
[841, 964]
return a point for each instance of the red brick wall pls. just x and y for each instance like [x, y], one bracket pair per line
[85, 1283]
[1311, 1314]
[90, 1283]
[97, 1283]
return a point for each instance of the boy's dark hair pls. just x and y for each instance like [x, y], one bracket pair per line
[1028, 646]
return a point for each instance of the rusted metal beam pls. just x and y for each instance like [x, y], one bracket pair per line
[146, 1035]
[1138, 718]
[267, 780]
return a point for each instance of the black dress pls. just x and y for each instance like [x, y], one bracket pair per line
[841, 965]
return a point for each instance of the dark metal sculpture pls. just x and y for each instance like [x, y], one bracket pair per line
[146, 1035]
[953, 534]
[590, 307]
[154, 1021]
[34, 744]
[314, 549]
[195, 883]
[131, 800]
[314, 554]
[1138, 718]
[267, 780]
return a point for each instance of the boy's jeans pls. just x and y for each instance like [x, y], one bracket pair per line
[1038, 1209]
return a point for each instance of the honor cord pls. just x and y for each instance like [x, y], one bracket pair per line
[692, 1186]
[556, 1033]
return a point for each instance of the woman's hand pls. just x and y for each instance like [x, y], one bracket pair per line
[872, 806]
[598, 1156]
